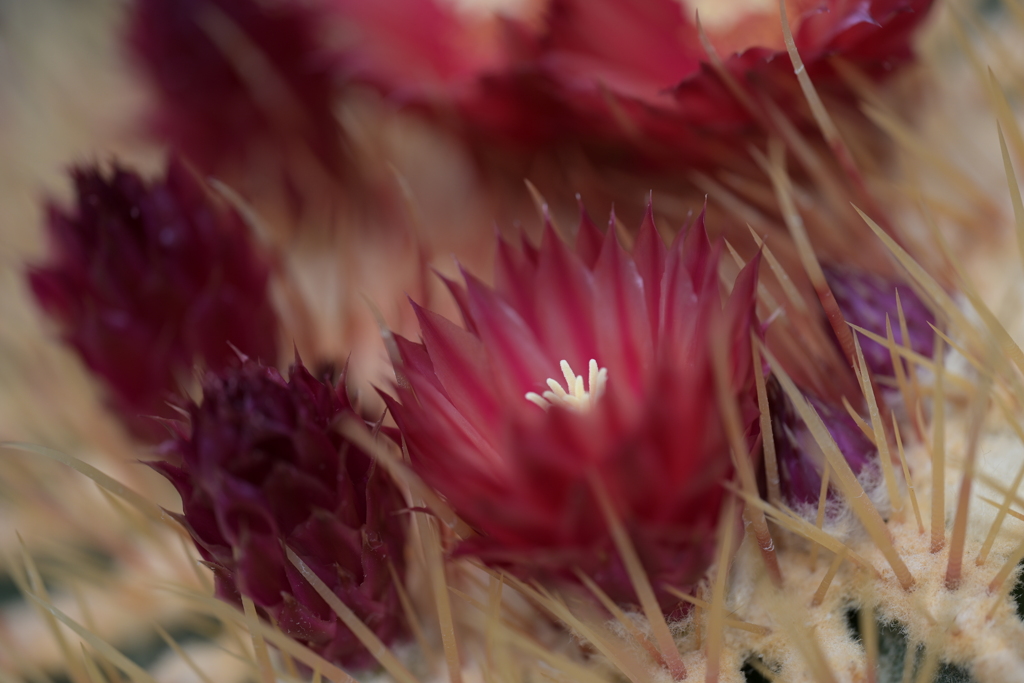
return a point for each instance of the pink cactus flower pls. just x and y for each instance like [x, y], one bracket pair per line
[627, 82]
[579, 363]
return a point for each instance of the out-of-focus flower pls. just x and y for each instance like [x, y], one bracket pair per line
[237, 82]
[866, 299]
[490, 424]
[629, 82]
[146, 279]
[416, 47]
[799, 457]
[262, 468]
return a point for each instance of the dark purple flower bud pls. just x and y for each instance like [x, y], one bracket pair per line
[237, 80]
[866, 298]
[800, 459]
[264, 468]
[146, 279]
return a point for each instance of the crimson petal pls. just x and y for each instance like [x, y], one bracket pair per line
[509, 342]
[461, 365]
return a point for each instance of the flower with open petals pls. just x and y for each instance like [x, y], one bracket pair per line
[261, 469]
[627, 81]
[583, 365]
[147, 278]
[637, 73]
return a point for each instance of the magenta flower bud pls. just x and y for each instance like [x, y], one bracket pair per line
[584, 364]
[799, 457]
[866, 299]
[262, 468]
[236, 80]
[147, 278]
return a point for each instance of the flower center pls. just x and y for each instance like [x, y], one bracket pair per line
[573, 396]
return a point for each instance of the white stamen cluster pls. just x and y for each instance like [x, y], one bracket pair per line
[574, 395]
